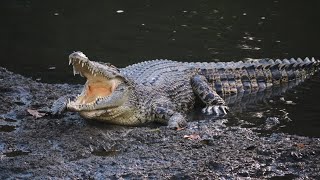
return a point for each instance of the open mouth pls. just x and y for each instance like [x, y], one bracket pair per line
[98, 86]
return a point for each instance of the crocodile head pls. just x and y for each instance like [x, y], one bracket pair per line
[105, 89]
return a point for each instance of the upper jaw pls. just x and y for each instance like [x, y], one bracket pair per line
[77, 55]
[83, 66]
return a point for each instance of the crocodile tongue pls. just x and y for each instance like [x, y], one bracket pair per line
[97, 89]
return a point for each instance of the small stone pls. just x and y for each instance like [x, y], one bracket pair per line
[271, 122]
[290, 102]
[258, 115]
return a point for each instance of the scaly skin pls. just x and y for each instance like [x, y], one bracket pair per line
[164, 90]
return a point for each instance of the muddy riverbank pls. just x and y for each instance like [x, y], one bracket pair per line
[69, 147]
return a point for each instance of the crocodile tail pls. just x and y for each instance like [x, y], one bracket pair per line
[286, 70]
[302, 68]
[298, 69]
[260, 74]
[257, 75]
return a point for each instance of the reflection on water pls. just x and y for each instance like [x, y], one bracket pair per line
[296, 110]
[37, 36]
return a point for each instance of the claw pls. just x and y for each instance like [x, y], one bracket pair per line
[224, 109]
[217, 110]
[209, 110]
[204, 110]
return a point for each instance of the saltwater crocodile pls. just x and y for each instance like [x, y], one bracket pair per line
[164, 90]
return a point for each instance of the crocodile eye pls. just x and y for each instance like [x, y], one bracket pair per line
[121, 88]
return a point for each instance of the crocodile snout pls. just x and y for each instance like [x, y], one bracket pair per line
[78, 55]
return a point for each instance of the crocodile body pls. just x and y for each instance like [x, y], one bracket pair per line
[164, 91]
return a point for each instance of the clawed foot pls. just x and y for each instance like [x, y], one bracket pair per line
[218, 110]
[60, 105]
[177, 121]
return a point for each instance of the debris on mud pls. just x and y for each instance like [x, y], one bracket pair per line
[35, 113]
[271, 122]
[192, 137]
[70, 147]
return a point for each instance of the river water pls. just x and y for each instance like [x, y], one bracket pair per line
[37, 37]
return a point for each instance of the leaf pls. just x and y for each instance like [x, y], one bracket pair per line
[180, 128]
[35, 113]
[300, 145]
[192, 137]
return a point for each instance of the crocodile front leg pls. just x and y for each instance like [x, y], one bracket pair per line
[164, 113]
[60, 105]
[214, 103]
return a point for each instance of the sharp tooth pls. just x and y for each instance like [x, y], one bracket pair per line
[69, 100]
[82, 64]
[70, 61]
[74, 71]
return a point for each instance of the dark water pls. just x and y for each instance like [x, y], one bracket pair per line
[37, 36]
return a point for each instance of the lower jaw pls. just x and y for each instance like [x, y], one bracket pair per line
[72, 106]
[93, 114]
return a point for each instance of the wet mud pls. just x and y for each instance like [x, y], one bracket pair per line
[71, 147]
